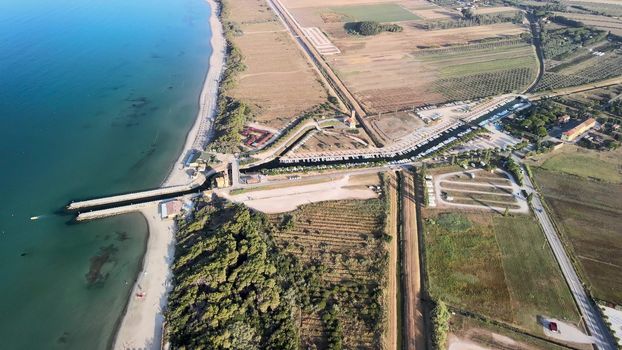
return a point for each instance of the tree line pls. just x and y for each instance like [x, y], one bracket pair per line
[470, 19]
[368, 28]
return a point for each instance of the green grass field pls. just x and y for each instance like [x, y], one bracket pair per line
[534, 279]
[584, 165]
[589, 214]
[497, 266]
[378, 13]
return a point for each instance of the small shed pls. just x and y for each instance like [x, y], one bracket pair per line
[170, 209]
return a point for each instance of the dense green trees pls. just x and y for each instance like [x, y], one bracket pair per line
[515, 170]
[232, 115]
[614, 107]
[440, 322]
[469, 19]
[541, 116]
[562, 43]
[235, 289]
[227, 293]
[371, 28]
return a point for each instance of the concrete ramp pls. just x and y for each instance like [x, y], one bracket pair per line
[320, 41]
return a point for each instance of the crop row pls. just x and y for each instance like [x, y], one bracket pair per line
[485, 84]
[328, 232]
[460, 49]
[606, 68]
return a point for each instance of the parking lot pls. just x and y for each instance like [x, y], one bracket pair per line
[479, 189]
[491, 140]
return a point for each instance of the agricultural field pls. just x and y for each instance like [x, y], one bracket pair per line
[392, 71]
[278, 83]
[601, 96]
[344, 240]
[385, 78]
[588, 71]
[572, 160]
[609, 24]
[583, 192]
[498, 266]
[608, 7]
[335, 140]
[579, 55]
[375, 12]
[494, 9]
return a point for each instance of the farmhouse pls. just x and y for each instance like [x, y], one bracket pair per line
[579, 129]
[563, 119]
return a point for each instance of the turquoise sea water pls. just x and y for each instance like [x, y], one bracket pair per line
[96, 97]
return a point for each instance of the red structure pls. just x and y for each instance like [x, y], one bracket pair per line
[254, 137]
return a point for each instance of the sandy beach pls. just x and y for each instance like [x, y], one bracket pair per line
[200, 133]
[141, 326]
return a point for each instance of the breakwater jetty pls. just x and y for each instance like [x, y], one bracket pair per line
[140, 196]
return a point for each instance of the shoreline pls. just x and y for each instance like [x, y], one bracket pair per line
[141, 323]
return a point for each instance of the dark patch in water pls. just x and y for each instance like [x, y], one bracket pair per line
[138, 105]
[117, 87]
[96, 275]
[23, 254]
[122, 236]
[63, 339]
[155, 56]
[170, 88]
[131, 124]
[148, 153]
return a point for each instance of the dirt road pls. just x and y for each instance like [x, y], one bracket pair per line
[414, 336]
[392, 314]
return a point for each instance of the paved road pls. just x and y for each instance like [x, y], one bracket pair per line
[591, 316]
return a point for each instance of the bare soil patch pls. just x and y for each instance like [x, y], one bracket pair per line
[278, 81]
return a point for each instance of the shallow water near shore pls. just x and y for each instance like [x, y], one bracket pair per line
[96, 98]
